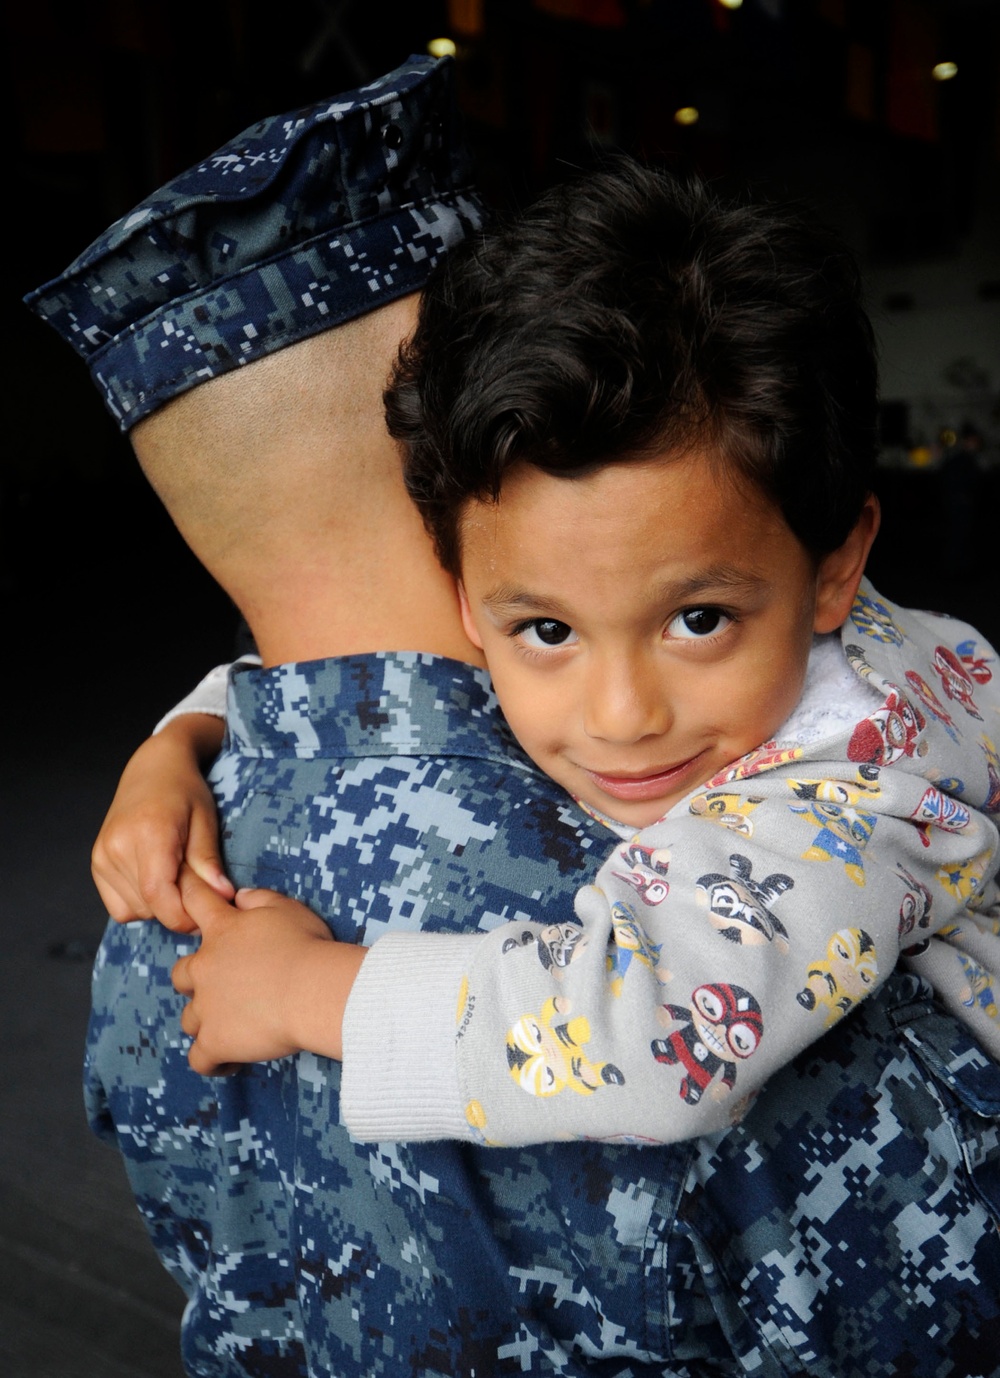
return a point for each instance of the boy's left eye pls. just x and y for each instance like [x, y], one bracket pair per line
[698, 622]
[546, 632]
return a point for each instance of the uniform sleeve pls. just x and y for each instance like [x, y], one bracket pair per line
[711, 950]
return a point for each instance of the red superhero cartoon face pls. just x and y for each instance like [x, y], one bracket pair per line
[889, 734]
[646, 873]
[930, 700]
[728, 1020]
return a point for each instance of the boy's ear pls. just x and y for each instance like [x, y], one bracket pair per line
[467, 622]
[840, 572]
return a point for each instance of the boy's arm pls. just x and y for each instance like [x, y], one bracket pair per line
[684, 991]
[163, 813]
[712, 953]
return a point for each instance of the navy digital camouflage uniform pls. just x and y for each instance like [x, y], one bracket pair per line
[847, 1227]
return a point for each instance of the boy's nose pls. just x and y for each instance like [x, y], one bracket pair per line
[625, 702]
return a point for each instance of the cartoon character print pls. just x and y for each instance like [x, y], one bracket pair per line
[939, 810]
[891, 732]
[964, 879]
[955, 680]
[864, 789]
[558, 945]
[723, 1024]
[631, 945]
[843, 976]
[740, 907]
[843, 834]
[979, 988]
[931, 702]
[858, 662]
[915, 906]
[973, 656]
[873, 619]
[545, 1053]
[765, 757]
[991, 804]
[647, 871]
[732, 811]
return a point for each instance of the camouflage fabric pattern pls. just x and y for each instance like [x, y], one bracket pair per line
[386, 792]
[301, 222]
[852, 1220]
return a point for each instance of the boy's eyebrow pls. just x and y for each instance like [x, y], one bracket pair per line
[729, 578]
[509, 598]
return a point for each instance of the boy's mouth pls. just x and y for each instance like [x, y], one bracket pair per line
[651, 785]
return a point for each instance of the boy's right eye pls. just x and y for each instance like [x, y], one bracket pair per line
[543, 632]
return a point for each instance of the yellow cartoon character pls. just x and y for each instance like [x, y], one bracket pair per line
[874, 619]
[545, 1053]
[964, 878]
[843, 835]
[979, 989]
[631, 944]
[843, 977]
[731, 810]
[864, 789]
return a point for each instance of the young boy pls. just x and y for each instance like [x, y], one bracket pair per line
[640, 426]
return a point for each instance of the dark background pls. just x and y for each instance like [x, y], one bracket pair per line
[108, 617]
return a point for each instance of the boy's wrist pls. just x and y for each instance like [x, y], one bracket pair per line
[197, 734]
[318, 993]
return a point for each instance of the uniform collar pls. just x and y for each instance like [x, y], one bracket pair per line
[388, 704]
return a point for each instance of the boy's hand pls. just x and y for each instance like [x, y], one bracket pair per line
[267, 981]
[162, 815]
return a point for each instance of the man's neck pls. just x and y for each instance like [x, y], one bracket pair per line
[400, 601]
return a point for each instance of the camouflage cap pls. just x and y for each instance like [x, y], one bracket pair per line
[300, 223]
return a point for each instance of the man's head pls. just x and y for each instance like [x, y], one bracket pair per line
[641, 428]
[241, 323]
[300, 223]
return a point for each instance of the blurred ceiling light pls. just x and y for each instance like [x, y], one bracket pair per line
[730, 4]
[944, 71]
[441, 47]
[687, 114]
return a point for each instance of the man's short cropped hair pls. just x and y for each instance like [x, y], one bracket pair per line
[628, 314]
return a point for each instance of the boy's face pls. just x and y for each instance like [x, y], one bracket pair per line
[644, 626]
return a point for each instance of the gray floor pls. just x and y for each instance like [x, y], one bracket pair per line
[81, 1291]
[110, 620]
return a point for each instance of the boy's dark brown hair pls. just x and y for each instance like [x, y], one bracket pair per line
[627, 314]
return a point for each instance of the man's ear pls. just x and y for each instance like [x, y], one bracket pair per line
[467, 622]
[840, 572]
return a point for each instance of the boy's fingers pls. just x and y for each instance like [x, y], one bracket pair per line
[203, 856]
[200, 900]
[199, 1060]
[164, 900]
[180, 979]
[121, 902]
[205, 1067]
[256, 899]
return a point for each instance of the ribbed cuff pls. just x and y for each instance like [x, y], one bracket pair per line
[400, 1078]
